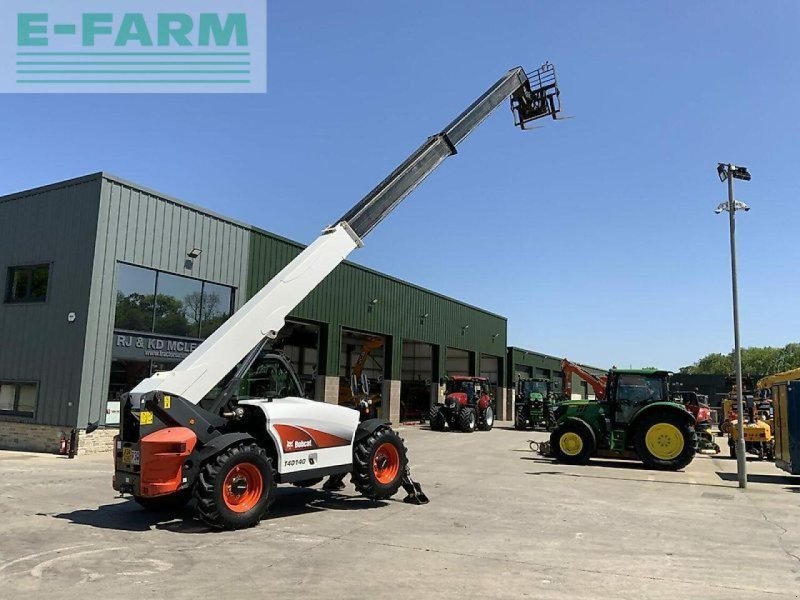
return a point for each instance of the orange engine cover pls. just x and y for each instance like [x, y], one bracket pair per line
[162, 455]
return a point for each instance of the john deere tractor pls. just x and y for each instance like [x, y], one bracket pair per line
[636, 420]
[535, 402]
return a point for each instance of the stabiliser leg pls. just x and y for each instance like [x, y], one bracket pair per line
[413, 489]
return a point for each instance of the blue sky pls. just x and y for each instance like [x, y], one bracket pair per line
[595, 236]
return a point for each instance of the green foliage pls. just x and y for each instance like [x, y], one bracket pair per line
[756, 362]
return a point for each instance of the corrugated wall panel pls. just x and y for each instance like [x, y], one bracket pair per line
[343, 299]
[56, 225]
[142, 228]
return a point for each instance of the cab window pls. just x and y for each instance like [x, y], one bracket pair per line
[268, 377]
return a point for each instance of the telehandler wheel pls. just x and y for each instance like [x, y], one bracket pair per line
[571, 444]
[520, 420]
[379, 462]
[488, 419]
[166, 503]
[467, 419]
[665, 441]
[236, 487]
[438, 419]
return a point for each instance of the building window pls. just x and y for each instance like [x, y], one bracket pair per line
[152, 301]
[17, 399]
[27, 284]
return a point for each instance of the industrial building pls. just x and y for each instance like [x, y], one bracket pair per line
[106, 282]
[524, 364]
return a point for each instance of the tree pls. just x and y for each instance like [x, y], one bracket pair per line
[756, 361]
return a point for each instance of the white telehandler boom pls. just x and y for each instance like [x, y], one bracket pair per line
[230, 450]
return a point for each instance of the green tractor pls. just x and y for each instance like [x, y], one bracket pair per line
[535, 402]
[635, 420]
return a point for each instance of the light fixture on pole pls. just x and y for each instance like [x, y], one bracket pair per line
[728, 172]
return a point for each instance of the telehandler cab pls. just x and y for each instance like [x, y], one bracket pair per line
[637, 419]
[229, 423]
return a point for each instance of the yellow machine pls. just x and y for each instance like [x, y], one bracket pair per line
[758, 426]
[785, 390]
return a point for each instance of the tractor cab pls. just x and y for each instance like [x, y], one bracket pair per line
[629, 391]
[535, 402]
[537, 388]
[466, 391]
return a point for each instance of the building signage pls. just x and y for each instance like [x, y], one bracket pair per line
[145, 346]
[139, 46]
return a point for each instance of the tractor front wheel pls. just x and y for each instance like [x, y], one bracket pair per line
[665, 441]
[379, 462]
[236, 487]
[571, 444]
[467, 421]
[438, 419]
[488, 419]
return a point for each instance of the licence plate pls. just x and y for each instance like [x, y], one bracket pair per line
[130, 456]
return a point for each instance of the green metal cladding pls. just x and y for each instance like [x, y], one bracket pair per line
[344, 300]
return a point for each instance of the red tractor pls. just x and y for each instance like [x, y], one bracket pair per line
[468, 405]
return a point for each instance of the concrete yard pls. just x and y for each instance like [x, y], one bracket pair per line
[502, 523]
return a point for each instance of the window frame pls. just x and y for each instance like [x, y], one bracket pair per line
[30, 268]
[15, 412]
[158, 273]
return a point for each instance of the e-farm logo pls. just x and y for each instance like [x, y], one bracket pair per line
[141, 46]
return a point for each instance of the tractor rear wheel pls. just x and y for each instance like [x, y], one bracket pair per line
[571, 444]
[487, 422]
[467, 420]
[438, 419]
[379, 462]
[520, 418]
[665, 441]
[166, 503]
[236, 487]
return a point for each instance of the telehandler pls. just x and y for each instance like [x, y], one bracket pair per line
[229, 448]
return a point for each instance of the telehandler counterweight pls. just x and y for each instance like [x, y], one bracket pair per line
[229, 423]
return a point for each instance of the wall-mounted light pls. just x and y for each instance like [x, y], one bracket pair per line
[464, 329]
[371, 304]
[194, 253]
[495, 336]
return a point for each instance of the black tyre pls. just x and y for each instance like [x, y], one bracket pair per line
[236, 487]
[307, 483]
[665, 441]
[379, 462]
[467, 420]
[166, 503]
[487, 419]
[438, 419]
[572, 444]
[521, 418]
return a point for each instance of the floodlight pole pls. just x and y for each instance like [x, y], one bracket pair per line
[741, 457]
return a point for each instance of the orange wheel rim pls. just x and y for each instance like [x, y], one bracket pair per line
[386, 463]
[243, 487]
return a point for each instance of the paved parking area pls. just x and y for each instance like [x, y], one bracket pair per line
[502, 523]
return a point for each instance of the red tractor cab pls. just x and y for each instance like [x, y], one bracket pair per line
[468, 405]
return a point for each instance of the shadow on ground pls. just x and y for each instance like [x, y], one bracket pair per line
[127, 515]
[769, 479]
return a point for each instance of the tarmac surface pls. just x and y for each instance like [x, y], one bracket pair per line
[502, 523]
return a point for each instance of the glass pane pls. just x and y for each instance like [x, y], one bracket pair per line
[7, 392]
[135, 295]
[267, 378]
[217, 301]
[39, 283]
[27, 398]
[19, 285]
[178, 305]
